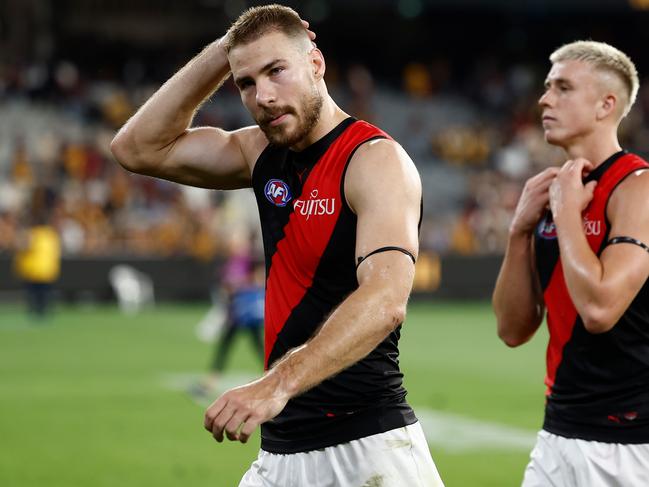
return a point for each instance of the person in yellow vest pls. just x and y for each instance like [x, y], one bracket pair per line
[38, 264]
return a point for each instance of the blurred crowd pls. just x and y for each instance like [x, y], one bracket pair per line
[475, 136]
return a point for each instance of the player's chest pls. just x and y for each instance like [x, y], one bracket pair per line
[593, 226]
[303, 214]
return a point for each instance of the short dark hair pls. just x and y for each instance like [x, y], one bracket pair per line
[257, 21]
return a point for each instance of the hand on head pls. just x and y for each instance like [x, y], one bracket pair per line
[310, 33]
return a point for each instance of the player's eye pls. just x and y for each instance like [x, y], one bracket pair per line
[245, 84]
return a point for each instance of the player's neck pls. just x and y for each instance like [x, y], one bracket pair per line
[330, 116]
[596, 148]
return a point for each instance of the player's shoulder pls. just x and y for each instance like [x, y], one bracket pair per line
[638, 177]
[363, 130]
[630, 195]
[382, 151]
[380, 166]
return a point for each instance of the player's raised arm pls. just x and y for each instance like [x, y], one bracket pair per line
[158, 141]
[517, 297]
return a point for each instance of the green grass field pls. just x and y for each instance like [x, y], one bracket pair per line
[84, 400]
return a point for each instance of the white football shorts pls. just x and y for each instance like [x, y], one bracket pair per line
[556, 461]
[396, 458]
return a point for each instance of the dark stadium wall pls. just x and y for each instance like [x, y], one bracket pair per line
[186, 279]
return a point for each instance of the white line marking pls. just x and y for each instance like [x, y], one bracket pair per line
[456, 433]
[453, 433]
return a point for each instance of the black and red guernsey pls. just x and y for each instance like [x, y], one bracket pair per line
[309, 236]
[597, 384]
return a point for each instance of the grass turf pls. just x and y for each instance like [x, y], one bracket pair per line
[83, 401]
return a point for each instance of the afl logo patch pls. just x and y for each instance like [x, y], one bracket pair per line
[547, 229]
[277, 192]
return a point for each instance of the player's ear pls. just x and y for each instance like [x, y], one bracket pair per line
[607, 106]
[317, 63]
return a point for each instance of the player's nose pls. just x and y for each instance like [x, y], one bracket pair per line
[545, 99]
[266, 95]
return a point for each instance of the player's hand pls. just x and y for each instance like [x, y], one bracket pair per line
[240, 410]
[309, 32]
[533, 201]
[567, 191]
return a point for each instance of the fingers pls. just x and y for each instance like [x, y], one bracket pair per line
[542, 179]
[584, 164]
[220, 420]
[310, 33]
[247, 430]
[226, 416]
[579, 166]
[232, 426]
[540, 183]
[213, 411]
[590, 187]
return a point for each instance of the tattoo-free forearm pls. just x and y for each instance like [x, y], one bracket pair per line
[517, 299]
[169, 112]
[357, 326]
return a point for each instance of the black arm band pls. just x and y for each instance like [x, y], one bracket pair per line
[617, 240]
[386, 249]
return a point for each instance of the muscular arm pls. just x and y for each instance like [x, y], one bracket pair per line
[602, 288]
[378, 306]
[517, 298]
[362, 320]
[157, 140]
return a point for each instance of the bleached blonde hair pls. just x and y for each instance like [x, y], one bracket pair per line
[606, 58]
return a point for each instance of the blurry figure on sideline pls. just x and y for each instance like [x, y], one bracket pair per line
[133, 289]
[578, 248]
[242, 290]
[38, 257]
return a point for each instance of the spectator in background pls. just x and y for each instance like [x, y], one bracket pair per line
[38, 257]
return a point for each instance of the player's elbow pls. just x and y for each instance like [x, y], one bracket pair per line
[128, 154]
[393, 314]
[512, 338]
[398, 315]
[124, 151]
[514, 329]
[516, 325]
[507, 331]
[598, 319]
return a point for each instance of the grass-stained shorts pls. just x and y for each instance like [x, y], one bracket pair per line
[396, 458]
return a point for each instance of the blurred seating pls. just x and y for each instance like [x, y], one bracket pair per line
[474, 143]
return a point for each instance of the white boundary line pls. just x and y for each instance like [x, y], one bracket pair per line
[453, 433]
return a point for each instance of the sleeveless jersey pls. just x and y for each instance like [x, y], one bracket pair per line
[309, 235]
[597, 384]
